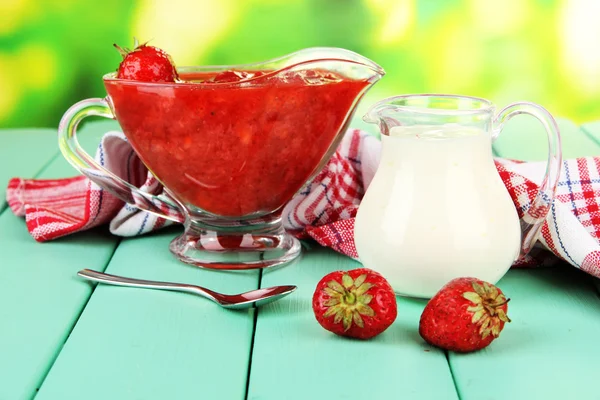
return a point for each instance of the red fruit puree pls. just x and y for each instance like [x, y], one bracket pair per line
[234, 149]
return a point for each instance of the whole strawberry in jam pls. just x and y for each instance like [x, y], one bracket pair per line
[359, 303]
[467, 314]
[146, 64]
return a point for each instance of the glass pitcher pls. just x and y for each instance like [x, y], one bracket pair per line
[436, 208]
[231, 145]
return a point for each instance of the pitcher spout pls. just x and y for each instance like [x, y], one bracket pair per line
[384, 115]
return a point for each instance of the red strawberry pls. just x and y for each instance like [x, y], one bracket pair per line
[359, 303]
[146, 64]
[467, 314]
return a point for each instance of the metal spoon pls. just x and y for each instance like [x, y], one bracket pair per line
[236, 301]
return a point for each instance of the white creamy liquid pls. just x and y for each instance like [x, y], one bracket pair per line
[436, 210]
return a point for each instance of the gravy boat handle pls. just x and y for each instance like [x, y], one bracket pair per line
[84, 163]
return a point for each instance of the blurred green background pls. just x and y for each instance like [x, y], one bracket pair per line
[53, 53]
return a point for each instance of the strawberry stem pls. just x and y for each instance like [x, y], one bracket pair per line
[350, 298]
[121, 50]
[501, 303]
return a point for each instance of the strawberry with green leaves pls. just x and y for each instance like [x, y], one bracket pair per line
[146, 64]
[465, 315]
[359, 303]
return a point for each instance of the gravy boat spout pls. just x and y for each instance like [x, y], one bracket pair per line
[344, 62]
[311, 62]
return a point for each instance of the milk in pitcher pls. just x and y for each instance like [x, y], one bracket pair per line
[436, 210]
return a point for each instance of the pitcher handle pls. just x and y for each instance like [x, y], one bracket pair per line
[84, 163]
[533, 218]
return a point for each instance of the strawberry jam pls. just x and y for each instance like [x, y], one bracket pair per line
[235, 143]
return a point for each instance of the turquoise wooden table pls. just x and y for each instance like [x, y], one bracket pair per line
[63, 338]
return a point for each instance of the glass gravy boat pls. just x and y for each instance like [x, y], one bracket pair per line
[230, 153]
[437, 208]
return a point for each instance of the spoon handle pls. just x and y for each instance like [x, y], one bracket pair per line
[142, 283]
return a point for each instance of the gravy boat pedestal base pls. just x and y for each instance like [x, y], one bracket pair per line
[239, 245]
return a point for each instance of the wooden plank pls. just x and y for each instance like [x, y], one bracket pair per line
[592, 129]
[548, 351]
[40, 298]
[524, 138]
[553, 312]
[294, 358]
[24, 152]
[145, 344]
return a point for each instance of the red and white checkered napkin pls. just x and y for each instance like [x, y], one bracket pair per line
[324, 210]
